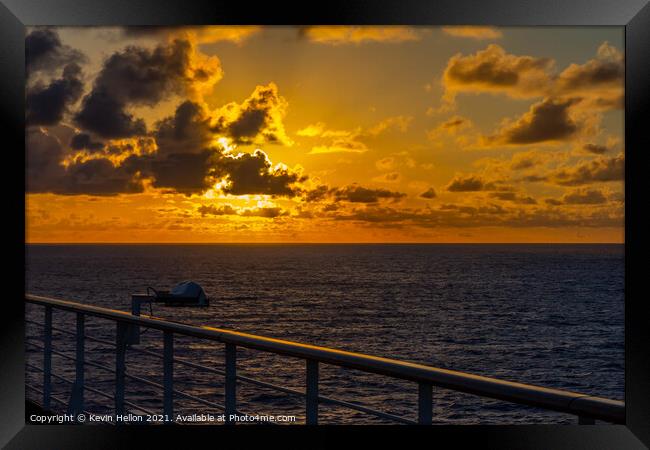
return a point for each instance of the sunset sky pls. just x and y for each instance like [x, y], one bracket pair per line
[325, 134]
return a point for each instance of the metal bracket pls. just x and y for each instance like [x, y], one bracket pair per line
[133, 336]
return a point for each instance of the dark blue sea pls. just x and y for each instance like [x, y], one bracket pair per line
[550, 315]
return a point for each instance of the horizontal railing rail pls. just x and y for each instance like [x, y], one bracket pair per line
[586, 407]
[242, 378]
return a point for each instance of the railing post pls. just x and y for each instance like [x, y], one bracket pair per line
[76, 404]
[120, 366]
[425, 404]
[312, 393]
[582, 420]
[136, 306]
[80, 362]
[168, 376]
[231, 381]
[47, 358]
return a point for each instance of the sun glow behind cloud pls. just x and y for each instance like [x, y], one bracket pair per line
[185, 135]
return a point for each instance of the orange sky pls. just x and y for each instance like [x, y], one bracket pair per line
[325, 134]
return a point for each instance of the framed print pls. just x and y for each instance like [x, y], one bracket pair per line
[367, 219]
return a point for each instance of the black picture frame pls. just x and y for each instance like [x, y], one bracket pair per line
[634, 15]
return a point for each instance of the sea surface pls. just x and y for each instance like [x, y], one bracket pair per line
[550, 315]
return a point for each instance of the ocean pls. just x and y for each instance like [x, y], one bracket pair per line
[550, 315]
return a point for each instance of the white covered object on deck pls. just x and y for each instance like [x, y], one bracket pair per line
[189, 289]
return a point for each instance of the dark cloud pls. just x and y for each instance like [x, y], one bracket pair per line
[580, 197]
[514, 197]
[594, 74]
[607, 69]
[99, 177]
[93, 177]
[182, 125]
[185, 156]
[484, 73]
[454, 123]
[103, 115]
[463, 216]
[44, 152]
[352, 193]
[595, 148]
[359, 194]
[524, 163]
[248, 124]
[548, 120]
[598, 170]
[534, 178]
[317, 194]
[525, 160]
[258, 119]
[429, 194]
[183, 172]
[45, 52]
[508, 196]
[449, 127]
[252, 173]
[140, 147]
[269, 212]
[46, 104]
[138, 76]
[448, 215]
[187, 131]
[144, 76]
[598, 82]
[614, 101]
[83, 141]
[189, 160]
[193, 128]
[184, 159]
[584, 197]
[381, 215]
[222, 210]
[491, 209]
[469, 183]
[495, 70]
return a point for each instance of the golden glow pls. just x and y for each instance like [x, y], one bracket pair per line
[352, 134]
[338, 35]
[473, 32]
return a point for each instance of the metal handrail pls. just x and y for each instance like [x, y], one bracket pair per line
[574, 403]
[92, 389]
[243, 378]
[127, 375]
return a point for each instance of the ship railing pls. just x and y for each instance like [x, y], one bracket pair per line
[587, 408]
